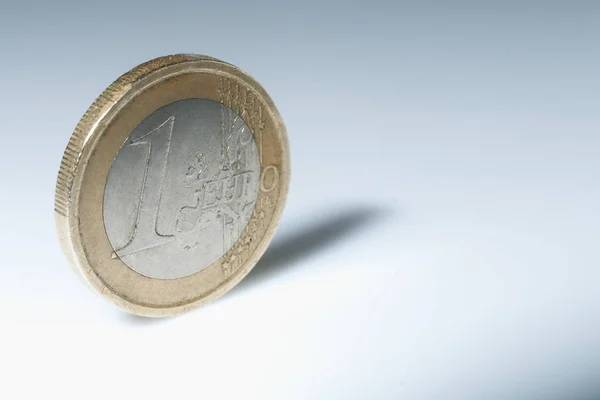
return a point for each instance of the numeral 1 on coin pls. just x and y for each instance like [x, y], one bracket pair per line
[145, 232]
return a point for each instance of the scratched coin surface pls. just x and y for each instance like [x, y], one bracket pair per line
[172, 184]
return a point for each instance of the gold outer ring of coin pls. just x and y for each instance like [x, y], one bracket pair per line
[95, 143]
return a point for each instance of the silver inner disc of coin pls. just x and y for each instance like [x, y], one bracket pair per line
[182, 189]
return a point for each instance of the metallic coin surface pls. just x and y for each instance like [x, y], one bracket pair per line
[172, 184]
[192, 170]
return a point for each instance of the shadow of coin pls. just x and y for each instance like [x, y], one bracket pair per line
[292, 247]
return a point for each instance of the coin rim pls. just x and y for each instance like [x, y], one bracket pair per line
[81, 145]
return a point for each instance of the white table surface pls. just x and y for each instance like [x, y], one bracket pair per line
[442, 231]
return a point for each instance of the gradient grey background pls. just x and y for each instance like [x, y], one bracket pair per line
[442, 231]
